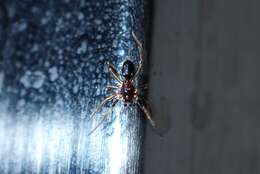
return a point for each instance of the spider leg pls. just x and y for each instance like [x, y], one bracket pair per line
[114, 72]
[137, 41]
[145, 107]
[104, 116]
[144, 86]
[101, 105]
[110, 87]
[140, 48]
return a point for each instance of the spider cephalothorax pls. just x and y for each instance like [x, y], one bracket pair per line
[126, 90]
[128, 70]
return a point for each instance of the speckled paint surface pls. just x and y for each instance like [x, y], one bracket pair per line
[53, 75]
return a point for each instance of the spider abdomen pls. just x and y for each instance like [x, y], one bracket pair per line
[128, 91]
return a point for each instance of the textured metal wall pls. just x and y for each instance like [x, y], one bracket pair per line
[52, 77]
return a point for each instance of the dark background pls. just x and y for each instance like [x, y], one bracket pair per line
[204, 88]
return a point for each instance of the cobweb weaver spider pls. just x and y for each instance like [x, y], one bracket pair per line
[125, 87]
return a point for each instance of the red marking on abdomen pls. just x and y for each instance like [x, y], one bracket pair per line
[128, 91]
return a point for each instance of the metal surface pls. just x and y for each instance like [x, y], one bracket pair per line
[52, 77]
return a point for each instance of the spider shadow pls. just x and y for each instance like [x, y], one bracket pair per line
[160, 112]
[159, 106]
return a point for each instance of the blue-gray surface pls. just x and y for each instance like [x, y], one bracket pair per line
[205, 64]
[52, 76]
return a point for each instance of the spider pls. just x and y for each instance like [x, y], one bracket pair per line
[125, 87]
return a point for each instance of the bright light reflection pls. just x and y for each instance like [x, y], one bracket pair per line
[30, 144]
[52, 143]
[115, 144]
[38, 145]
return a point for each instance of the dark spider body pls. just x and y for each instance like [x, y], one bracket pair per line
[128, 90]
[128, 70]
[125, 88]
